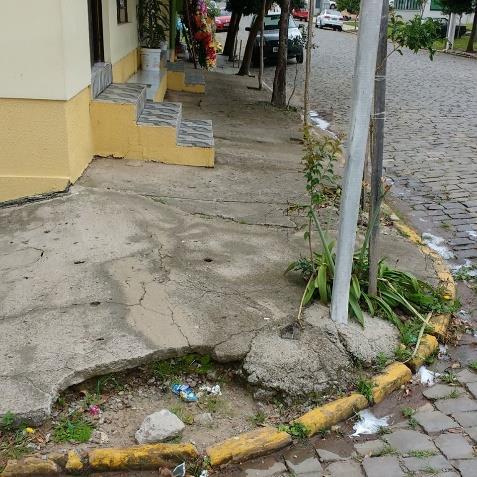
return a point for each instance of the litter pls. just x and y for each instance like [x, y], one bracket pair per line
[368, 423]
[212, 390]
[427, 377]
[179, 471]
[442, 355]
[437, 244]
[185, 392]
[204, 473]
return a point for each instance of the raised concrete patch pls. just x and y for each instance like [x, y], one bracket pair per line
[347, 468]
[466, 419]
[467, 467]
[467, 376]
[369, 448]
[302, 462]
[379, 466]
[158, 427]
[434, 421]
[406, 441]
[328, 456]
[472, 432]
[461, 404]
[472, 387]
[435, 462]
[441, 391]
[454, 446]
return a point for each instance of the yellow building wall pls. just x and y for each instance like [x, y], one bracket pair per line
[126, 67]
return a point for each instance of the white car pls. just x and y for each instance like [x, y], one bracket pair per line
[330, 18]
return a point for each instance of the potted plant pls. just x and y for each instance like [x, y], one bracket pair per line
[152, 21]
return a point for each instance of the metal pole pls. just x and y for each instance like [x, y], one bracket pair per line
[240, 55]
[262, 42]
[309, 46]
[377, 148]
[451, 32]
[365, 66]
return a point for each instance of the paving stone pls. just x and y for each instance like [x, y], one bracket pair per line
[466, 419]
[302, 462]
[328, 456]
[472, 387]
[436, 462]
[434, 421]
[467, 467]
[369, 448]
[440, 391]
[380, 466]
[472, 431]
[347, 468]
[454, 446]
[405, 441]
[461, 404]
[266, 467]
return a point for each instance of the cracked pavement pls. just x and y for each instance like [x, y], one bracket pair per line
[141, 261]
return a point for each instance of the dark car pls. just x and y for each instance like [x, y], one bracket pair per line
[270, 36]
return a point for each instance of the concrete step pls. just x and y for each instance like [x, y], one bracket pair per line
[124, 93]
[194, 77]
[195, 133]
[161, 114]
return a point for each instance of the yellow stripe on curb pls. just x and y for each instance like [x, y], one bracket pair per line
[393, 377]
[30, 466]
[427, 347]
[325, 416]
[248, 445]
[74, 464]
[149, 456]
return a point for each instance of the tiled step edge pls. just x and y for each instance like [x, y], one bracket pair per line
[195, 133]
[161, 114]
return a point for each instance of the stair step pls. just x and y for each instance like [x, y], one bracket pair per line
[124, 93]
[161, 114]
[194, 77]
[195, 133]
[177, 66]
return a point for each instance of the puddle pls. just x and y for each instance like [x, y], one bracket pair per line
[438, 245]
[320, 122]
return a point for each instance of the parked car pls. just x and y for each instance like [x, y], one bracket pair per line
[330, 18]
[300, 14]
[222, 22]
[271, 35]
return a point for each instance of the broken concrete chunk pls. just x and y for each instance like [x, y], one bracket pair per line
[158, 427]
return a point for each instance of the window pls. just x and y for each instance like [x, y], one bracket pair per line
[436, 5]
[122, 11]
[406, 5]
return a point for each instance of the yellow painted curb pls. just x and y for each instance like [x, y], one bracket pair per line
[74, 464]
[30, 466]
[248, 445]
[325, 416]
[427, 347]
[393, 377]
[149, 456]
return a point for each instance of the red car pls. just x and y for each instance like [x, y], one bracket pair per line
[300, 14]
[222, 22]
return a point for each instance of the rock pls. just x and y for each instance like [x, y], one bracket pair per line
[99, 437]
[204, 419]
[158, 427]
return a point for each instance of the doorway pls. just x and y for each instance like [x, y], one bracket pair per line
[96, 43]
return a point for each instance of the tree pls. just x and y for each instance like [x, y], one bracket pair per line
[459, 7]
[351, 6]
[473, 33]
[279, 95]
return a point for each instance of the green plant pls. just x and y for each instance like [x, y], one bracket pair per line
[422, 454]
[8, 422]
[215, 405]
[386, 450]
[408, 411]
[473, 365]
[75, 428]
[412, 422]
[402, 354]
[449, 377]
[258, 418]
[296, 430]
[173, 369]
[453, 394]
[152, 22]
[381, 361]
[466, 273]
[107, 381]
[185, 416]
[365, 387]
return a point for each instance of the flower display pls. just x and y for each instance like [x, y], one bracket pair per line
[203, 34]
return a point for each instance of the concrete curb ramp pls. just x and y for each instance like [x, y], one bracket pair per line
[258, 442]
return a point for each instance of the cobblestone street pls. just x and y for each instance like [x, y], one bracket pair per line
[431, 131]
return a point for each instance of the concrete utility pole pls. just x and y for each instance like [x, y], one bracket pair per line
[451, 32]
[363, 81]
[377, 147]
[309, 47]
[262, 42]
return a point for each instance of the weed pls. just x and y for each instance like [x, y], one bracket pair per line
[466, 273]
[445, 225]
[431, 358]
[422, 454]
[402, 354]
[473, 365]
[412, 422]
[214, 405]
[453, 394]
[386, 450]
[258, 418]
[365, 387]
[173, 369]
[107, 381]
[75, 428]
[297, 430]
[383, 430]
[408, 411]
[185, 416]
[323, 432]
[381, 361]
[449, 377]
[8, 421]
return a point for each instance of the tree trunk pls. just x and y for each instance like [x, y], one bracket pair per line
[229, 41]
[279, 95]
[262, 43]
[473, 33]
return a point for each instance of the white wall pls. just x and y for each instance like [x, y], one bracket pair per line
[119, 39]
[44, 48]
[409, 14]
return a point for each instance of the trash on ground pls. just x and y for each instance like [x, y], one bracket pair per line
[185, 392]
[204, 473]
[212, 390]
[427, 377]
[368, 423]
[179, 471]
[438, 245]
[442, 355]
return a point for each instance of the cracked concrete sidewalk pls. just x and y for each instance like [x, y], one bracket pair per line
[140, 261]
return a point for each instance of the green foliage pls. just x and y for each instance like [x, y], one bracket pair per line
[351, 6]
[449, 378]
[8, 422]
[365, 387]
[422, 454]
[152, 22]
[381, 361]
[109, 381]
[183, 414]
[402, 354]
[408, 412]
[75, 428]
[212, 9]
[258, 418]
[473, 365]
[173, 369]
[414, 34]
[466, 273]
[297, 430]
[457, 6]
